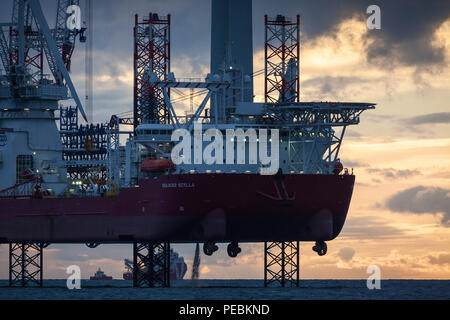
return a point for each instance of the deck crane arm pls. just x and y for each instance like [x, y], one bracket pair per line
[54, 52]
[4, 51]
[64, 37]
[52, 64]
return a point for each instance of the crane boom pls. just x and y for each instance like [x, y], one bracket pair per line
[64, 37]
[4, 51]
[53, 51]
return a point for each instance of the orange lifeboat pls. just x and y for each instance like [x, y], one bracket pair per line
[157, 165]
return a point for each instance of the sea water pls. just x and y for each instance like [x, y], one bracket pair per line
[231, 290]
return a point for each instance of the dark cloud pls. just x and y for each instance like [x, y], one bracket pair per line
[370, 227]
[78, 253]
[407, 27]
[440, 259]
[441, 117]
[346, 254]
[391, 173]
[406, 37]
[353, 134]
[407, 33]
[353, 164]
[421, 200]
[441, 174]
[334, 87]
[375, 117]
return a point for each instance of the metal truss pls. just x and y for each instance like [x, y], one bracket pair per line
[151, 55]
[191, 85]
[29, 42]
[25, 264]
[26, 48]
[113, 152]
[318, 113]
[151, 264]
[281, 263]
[116, 169]
[34, 43]
[282, 59]
[68, 128]
[64, 37]
[310, 127]
[92, 143]
[68, 119]
[85, 146]
[4, 51]
[314, 150]
[113, 146]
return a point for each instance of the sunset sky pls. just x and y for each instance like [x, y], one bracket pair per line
[399, 218]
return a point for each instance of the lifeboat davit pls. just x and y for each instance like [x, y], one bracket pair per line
[157, 165]
[338, 167]
[26, 174]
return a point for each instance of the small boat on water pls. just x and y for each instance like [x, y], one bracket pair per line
[100, 275]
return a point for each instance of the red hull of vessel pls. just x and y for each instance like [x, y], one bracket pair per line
[128, 276]
[189, 208]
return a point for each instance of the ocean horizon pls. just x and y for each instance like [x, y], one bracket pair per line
[245, 289]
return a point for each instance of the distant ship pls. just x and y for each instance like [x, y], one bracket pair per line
[100, 275]
[178, 267]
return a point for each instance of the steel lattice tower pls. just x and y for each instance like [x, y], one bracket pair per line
[26, 264]
[151, 55]
[282, 59]
[281, 263]
[282, 85]
[151, 264]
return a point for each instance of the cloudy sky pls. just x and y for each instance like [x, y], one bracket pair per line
[399, 217]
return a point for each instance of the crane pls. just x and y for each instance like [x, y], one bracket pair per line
[30, 40]
[65, 37]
